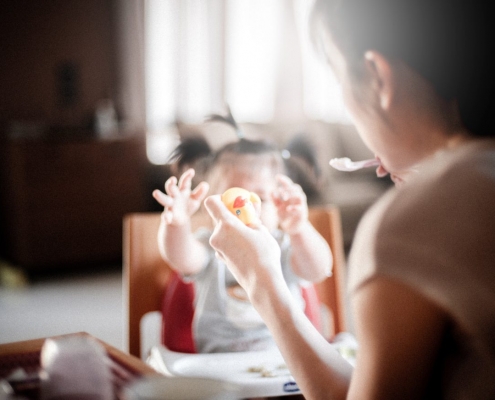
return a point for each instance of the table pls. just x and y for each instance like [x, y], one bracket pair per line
[26, 355]
[255, 374]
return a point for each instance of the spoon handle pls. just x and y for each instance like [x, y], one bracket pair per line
[345, 164]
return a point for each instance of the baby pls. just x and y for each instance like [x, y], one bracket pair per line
[224, 320]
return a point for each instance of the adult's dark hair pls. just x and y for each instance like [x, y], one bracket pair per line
[448, 42]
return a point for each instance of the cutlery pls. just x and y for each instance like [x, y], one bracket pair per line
[346, 164]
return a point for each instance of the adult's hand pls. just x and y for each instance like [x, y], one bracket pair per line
[250, 252]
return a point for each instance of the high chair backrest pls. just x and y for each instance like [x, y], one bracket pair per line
[146, 275]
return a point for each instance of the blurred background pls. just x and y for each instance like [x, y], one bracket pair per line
[94, 95]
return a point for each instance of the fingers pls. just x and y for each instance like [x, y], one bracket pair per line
[162, 198]
[288, 191]
[217, 210]
[284, 181]
[167, 202]
[171, 186]
[220, 213]
[186, 179]
[200, 191]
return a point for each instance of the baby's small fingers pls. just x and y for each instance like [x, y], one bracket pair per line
[288, 196]
[157, 194]
[296, 198]
[162, 198]
[186, 179]
[293, 209]
[296, 195]
[171, 185]
[284, 181]
[200, 191]
[280, 195]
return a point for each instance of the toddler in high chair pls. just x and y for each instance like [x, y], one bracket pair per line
[224, 320]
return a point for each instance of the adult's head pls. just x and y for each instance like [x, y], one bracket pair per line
[410, 68]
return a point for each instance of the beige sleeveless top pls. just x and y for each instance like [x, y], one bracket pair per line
[437, 234]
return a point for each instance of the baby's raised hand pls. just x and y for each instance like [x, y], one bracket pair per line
[180, 202]
[291, 203]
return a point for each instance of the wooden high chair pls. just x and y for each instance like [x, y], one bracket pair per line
[146, 275]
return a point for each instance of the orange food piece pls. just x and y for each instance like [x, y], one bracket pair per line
[242, 203]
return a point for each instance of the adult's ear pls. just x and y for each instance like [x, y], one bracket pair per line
[382, 83]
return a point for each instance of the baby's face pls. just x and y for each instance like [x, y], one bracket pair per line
[259, 179]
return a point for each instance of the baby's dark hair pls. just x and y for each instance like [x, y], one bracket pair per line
[195, 151]
[243, 147]
[191, 149]
[192, 152]
[299, 161]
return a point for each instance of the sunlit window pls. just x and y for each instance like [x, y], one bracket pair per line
[322, 97]
[161, 58]
[202, 54]
[253, 37]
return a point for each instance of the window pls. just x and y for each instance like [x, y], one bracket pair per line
[254, 55]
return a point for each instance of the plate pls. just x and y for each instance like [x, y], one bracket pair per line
[181, 388]
[256, 373]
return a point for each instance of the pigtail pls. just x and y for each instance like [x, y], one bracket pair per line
[230, 152]
[192, 152]
[229, 120]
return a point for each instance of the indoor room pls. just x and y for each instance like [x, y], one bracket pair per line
[94, 97]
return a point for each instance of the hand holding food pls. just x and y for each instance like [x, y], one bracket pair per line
[243, 204]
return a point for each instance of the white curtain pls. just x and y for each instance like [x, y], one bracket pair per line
[322, 99]
[131, 73]
[254, 55]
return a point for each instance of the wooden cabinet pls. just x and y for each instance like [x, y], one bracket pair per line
[63, 201]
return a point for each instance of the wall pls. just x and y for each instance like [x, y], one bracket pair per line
[57, 61]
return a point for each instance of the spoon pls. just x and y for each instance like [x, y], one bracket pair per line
[345, 164]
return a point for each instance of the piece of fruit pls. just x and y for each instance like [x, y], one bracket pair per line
[242, 203]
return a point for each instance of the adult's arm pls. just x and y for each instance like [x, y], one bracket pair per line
[253, 256]
[399, 332]
[398, 329]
